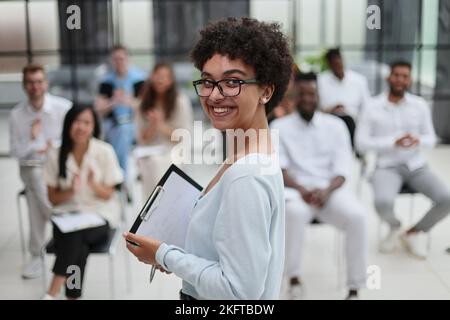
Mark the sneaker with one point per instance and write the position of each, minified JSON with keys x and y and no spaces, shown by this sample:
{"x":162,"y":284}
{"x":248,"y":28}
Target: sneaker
{"x":295,"y":292}
{"x":352,"y":295}
{"x":48,"y":297}
{"x":390,"y":243}
{"x":33,"y":269}
{"x":415,"y":244}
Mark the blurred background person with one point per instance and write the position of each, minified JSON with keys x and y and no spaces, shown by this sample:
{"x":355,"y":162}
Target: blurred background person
{"x":116,"y":102}
{"x":342,"y":92}
{"x":81,"y":176}
{"x":35,"y":126}
{"x":315,"y":155}
{"x":287,"y":105}
{"x":397,"y":125}
{"x":163,"y":109}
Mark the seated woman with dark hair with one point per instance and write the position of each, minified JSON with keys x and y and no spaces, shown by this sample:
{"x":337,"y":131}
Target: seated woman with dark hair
{"x":81,"y":176}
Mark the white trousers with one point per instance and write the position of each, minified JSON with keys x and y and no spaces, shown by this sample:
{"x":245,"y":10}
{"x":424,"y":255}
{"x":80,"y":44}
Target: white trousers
{"x":343,"y":211}
{"x":39,"y":208}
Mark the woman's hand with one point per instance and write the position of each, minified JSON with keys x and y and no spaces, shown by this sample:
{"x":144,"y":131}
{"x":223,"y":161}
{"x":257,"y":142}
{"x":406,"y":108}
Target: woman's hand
{"x":146,"y":250}
{"x":76,"y":184}
{"x":155,"y":116}
{"x":119,"y":97}
{"x":91,"y":178}
{"x":162,"y":269}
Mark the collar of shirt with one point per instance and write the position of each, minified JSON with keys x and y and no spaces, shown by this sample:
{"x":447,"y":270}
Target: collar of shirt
{"x":46,"y":107}
{"x":337,"y":80}
{"x":404,"y":102}
{"x":309,"y":124}
{"x":72,"y":165}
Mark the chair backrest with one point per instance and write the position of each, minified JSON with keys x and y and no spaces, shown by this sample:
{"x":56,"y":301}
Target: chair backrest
{"x":121,"y":193}
{"x":315,"y":221}
{"x":406,"y":189}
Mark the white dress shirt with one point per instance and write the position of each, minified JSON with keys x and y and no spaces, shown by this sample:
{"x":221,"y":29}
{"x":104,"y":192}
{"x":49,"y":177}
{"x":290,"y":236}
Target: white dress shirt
{"x":313,"y":153}
{"x":384,"y":122}
{"x":99,"y":158}
{"x":351,"y":92}
{"x":52,"y":114}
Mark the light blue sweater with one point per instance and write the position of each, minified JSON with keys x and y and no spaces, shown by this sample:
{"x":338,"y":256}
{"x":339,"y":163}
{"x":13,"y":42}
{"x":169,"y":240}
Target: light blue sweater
{"x":235,"y":240}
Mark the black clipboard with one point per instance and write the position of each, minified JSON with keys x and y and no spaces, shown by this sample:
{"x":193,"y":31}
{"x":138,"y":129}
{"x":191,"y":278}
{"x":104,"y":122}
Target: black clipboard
{"x":157,"y":191}
{"x":106,"y":89}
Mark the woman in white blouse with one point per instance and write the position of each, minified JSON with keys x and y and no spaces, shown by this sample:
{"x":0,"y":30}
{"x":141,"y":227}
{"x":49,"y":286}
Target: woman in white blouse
{"x":81,"y":177}
{"x":162,"y":110}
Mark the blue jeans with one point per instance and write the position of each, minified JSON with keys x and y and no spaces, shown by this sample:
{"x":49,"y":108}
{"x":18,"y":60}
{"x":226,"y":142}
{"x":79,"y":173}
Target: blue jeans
{"x":121,"y":137}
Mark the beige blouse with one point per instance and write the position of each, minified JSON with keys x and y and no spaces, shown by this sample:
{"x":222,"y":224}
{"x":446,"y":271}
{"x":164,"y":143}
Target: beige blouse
{"x":182,"y":117}
{"x":101,"y":159}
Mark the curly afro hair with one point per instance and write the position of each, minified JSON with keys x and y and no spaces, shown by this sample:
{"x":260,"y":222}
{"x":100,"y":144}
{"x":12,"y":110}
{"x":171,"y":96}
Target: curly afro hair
{"x":258,"y":44}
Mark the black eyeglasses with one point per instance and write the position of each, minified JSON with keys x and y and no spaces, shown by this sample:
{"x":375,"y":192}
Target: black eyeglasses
{"x":227,"y":87}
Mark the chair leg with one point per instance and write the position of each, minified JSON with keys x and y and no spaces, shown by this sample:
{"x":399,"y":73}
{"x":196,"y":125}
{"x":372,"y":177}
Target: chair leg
{"x":428,"y":241}
{"x":124,"y":225}
{"x":339,"y":258}
{"x":362,"y":173}
{"x":129,"y":282}
{"x":44,"y":269}
{"x":21,"y":231}
{"x":379,"y":233}
{"x":112,"y":277}
{"x":411,"y":210}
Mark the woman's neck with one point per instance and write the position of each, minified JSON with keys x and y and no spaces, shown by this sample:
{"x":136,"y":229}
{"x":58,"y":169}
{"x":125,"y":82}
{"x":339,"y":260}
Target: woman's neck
{"x":79,"y":149}
{"x":255,"y":139}
{"x":159,"y":99}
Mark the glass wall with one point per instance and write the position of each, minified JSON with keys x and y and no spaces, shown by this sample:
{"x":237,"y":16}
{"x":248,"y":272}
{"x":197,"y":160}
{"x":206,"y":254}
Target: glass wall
{"x":30,"y":31}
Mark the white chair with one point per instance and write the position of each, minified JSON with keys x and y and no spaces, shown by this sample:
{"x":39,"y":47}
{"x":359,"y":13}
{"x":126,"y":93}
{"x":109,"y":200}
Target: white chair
{"x":20,"y":195}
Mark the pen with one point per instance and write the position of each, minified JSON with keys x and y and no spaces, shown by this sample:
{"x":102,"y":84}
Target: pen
{"x":152,"y":273}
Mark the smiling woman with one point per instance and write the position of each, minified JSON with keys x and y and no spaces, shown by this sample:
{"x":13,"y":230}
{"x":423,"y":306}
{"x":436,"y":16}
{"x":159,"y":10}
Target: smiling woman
{"x":81,"y":177}
{"x":235,"y":240}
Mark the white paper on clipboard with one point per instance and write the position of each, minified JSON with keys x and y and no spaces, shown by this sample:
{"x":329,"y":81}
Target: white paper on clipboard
{"x":70,"y":222}
{"x":167,"y":218}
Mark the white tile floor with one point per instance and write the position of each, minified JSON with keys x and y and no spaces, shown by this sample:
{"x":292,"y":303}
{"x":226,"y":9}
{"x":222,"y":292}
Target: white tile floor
{"x":401,"y":276}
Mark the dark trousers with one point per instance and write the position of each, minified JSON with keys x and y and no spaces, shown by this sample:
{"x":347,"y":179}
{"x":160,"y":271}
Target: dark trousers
{"x":184,"y":296}
{"x":72,"y":249}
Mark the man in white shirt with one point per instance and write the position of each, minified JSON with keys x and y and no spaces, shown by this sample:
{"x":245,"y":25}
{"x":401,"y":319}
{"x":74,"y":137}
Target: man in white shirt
{"x":342,"y":92}
{"x":35,"y":126}
{"x":314,"y":150}
{"x":397,"y":125}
